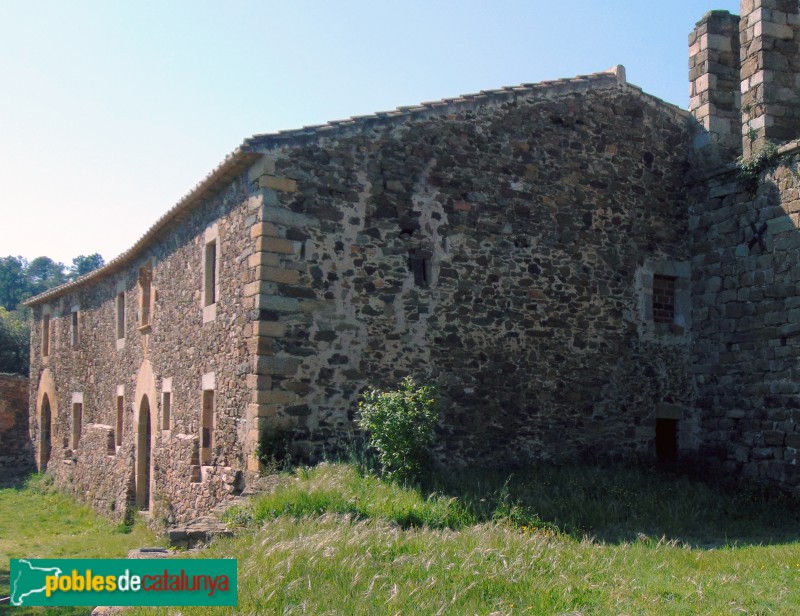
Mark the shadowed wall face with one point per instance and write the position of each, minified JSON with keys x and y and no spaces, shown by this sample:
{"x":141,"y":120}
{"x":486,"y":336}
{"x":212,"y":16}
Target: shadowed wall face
{"x":746,"y":322}
{"x":16,"y":452}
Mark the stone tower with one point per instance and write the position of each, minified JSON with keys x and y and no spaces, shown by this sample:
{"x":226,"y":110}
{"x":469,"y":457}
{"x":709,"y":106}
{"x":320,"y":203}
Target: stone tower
{"x":770,"y":71}
{"x":714,"y":84}
{"x":745,"y":72}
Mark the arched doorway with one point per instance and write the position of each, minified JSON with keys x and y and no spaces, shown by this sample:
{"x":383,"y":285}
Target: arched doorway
{"x":45,"y":421}
{"x":46,"y":417}
{"x":143,"y":451}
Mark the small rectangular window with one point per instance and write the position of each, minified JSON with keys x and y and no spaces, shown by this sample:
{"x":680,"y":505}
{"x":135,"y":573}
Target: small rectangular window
{"x":210,"y":274}
{"x":77,"y":418}
{"x":195,"y":472}
{"x":420,"y":266}
{"x":121,"y":315}
{"x":120,"y":418}
{"x":74,"y":332}
{"x":207,"y":427}
{"x":663,"y":299}
{"x":166,"y":409}
{"x":145,"y":295}
{"x":45,"y":335}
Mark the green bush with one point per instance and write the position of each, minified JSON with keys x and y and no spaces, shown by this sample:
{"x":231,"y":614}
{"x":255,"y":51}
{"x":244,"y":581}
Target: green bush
{"x":749,"y":169}
{"x":400,"y":426}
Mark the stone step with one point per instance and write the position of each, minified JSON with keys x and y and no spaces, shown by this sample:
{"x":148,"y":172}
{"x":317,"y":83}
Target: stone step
{"x":197,"y":532}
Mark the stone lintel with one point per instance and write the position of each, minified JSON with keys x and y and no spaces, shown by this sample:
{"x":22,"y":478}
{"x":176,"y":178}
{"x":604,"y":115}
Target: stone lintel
{"x":670,"y":411}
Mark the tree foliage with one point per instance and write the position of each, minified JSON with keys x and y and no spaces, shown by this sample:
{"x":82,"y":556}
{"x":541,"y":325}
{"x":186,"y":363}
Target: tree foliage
{"x":21,"y":280}
{"x":83,"y":264}
{"x":43,"y":273}
{"x":14,"y":346}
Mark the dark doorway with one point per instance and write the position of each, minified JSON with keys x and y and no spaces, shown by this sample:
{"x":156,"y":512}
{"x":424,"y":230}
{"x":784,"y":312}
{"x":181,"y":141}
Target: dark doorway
{"x":666,"y":440}
{"x":143,"y":437}
{"x":44,"y":435}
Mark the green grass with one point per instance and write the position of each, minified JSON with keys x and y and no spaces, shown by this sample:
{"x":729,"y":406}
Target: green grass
{"x":583,"y":540}
{"x":335,"y":564}
{"x":615,"y":504}
{"x":37,"y":521}
{"x":333,"y":540}
{"x":343,"y":489}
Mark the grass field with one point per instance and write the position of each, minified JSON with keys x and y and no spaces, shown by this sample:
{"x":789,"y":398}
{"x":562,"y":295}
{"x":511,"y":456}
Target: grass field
{"x":581,"y":540}
{"x":36,"y":521}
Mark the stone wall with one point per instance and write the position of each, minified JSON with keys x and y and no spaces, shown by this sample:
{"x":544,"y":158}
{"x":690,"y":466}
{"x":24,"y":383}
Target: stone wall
{"x":770,"y":69}
{"x":497,"y":249}
{"x":99,"y":473}
{"x":180,"y":348}
{"x":16,"y":453}
{"x":574,"y":264}
{"x":746,"y":310}
{"x":714,"y":85}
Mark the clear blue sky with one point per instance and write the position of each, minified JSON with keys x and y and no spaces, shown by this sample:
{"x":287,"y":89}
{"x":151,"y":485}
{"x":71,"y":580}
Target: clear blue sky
{"x":111,"y":111}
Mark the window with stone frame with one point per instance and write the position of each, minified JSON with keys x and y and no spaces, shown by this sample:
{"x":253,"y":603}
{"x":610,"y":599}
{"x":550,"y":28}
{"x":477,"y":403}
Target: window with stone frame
{"x":45,"y":335}
{"x":210,"y":282}
{"x":166,"y":403}
{"x":75,"y":336}
{"x":663,"y":298}
{"x":144,"y":283}
{"x":419,"y":264}
{"x":77,"y":420}
{"x":121,"y":315}
{"x":207,"y":427}
{"x":166,"y":409}
{"x":120,"y":418}
{"x":210,"y":274}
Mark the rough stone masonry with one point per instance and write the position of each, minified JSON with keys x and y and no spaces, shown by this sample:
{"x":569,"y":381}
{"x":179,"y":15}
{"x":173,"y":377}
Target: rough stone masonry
{"x":576,"y":264}
{"x":16,"y":454}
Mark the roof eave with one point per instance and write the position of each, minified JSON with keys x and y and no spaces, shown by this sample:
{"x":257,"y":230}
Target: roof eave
{"x":233,"y":164}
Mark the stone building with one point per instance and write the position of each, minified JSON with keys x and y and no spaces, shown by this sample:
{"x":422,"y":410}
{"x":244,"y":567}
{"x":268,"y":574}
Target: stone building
{"x":576,"y":264}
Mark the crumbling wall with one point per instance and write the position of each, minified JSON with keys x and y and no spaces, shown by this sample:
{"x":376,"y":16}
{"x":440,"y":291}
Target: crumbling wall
{"x":16,"y":451}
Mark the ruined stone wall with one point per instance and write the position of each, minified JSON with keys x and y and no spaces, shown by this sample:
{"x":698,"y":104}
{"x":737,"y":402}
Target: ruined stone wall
{"x":180,"y":352}
{"x":746,"y":313}
{"x":505,"y":252}
{"x":16,"y":453}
